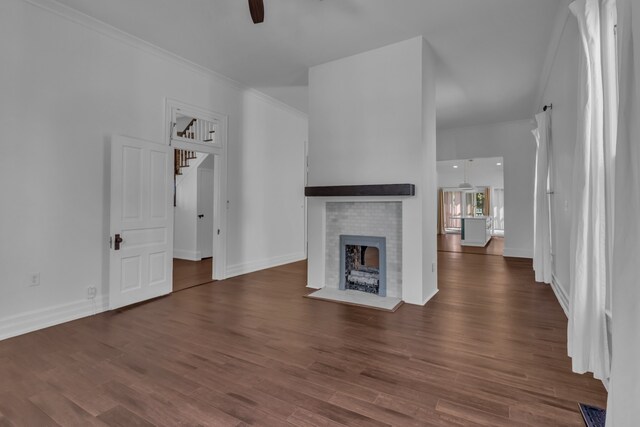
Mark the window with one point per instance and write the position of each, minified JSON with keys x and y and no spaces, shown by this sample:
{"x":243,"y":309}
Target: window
{"x":194,"y":129}
{"x":475,"y":202}
{"x":452,"y":211}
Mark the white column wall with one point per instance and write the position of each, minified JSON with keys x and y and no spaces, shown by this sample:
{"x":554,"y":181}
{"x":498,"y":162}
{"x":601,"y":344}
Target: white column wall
{"x":372,"y":121}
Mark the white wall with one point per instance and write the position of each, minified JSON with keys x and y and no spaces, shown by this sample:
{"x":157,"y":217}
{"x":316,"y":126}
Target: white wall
{"x":624,"y":390}
{"x":205,"y":227}
{"x":372,"y":121}
{"x":267,"y":180}
{"x":426,"y":163}
{"x":515,"y":143}
{"x":184,"y":219}
{"x":562,"y":91}
{"x":66,"y":88}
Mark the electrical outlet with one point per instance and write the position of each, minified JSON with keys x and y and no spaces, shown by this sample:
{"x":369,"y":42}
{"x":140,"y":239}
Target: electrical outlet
{"x":34,"y":279}
{"x":91,"y":292}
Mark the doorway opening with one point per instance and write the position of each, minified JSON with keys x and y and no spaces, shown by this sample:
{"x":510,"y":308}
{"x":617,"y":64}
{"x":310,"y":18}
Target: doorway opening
{"x":193,"y":232}
{"x":199,"y":140}
{"x":471,"y":205}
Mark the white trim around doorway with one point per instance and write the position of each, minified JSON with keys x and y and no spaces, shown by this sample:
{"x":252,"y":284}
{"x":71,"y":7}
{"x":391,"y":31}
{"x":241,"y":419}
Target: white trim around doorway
{"x":219,"y":151}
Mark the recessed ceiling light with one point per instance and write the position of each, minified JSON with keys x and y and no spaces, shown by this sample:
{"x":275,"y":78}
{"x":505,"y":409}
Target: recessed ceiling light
{"x":455,"y":166}
{"x":498,"y":164}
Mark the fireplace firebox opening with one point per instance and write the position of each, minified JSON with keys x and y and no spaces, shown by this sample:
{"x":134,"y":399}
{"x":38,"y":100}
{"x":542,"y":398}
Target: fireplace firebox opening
{"x":363,"y":264}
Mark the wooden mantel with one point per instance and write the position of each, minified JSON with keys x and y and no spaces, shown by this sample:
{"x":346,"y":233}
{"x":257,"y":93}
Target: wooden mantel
{"x":361,"y":190}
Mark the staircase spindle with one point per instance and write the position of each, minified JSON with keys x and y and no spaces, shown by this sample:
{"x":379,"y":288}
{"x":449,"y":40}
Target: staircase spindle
{"x":176,"y":160}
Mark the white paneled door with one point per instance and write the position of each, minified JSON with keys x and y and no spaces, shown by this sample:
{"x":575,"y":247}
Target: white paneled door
{"x":141,"y":253}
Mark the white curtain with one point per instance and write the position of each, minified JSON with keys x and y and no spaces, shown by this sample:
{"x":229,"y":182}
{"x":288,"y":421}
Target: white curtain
{"x":592,"y":188}
{"x":541,"y":214}
{"x":624,"y":388}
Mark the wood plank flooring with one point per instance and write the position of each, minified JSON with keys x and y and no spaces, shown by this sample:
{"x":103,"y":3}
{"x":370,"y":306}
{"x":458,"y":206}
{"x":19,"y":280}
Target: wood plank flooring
{"x":451,"y":243}
{"x":187,"y":274}
{"x":489,"y":349}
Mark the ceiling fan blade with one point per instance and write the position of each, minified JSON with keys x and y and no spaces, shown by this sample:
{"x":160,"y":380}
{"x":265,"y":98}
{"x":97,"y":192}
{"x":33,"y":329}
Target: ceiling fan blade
{"x":256,"y":7}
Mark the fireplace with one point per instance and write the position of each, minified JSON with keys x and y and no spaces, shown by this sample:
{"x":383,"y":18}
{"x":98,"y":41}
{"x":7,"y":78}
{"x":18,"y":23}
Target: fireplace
{"x":364,"y":220}
{"x":363,"y":264}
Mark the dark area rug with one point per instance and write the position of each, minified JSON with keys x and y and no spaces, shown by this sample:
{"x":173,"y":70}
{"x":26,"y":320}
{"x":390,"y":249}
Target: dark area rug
{"x":593,"y":416}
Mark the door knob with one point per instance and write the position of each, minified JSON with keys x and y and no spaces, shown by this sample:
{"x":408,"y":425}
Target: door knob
{"x":117,"y":241}
{"x":200,"y":216}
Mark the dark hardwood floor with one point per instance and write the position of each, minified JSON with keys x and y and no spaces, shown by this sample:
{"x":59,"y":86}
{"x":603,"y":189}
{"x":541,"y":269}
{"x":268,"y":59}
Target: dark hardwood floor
{"x":187,"y":274}
{"x":451,"y":243}
{"x":489,"y":349}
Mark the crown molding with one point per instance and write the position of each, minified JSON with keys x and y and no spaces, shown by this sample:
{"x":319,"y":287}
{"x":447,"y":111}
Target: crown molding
{"x":274,"y":102}
{"x":112,"y":32}
{"x":505,"y":123}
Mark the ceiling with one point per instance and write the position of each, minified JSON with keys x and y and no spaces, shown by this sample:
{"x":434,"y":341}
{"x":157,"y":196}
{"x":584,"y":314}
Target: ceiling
{"x":484,"y":171}
{"x":490,"y":53}
{"x":479,"y":163}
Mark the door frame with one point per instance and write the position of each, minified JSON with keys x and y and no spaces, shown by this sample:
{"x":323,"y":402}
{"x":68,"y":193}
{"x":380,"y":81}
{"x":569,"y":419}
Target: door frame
{"x":200,"y":172}
{"x":219,"y":151}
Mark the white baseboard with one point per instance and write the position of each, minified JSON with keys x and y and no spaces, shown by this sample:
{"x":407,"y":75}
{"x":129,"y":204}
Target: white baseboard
{"x":563,"y":299}
{"x":561,"y":295}
{"x":251,"y":266}
{"x":188,"y":255}
{"x":517,"y":253}
{"x":424,"y":302}
{"x":433,"y":294}
{"x":38,"y":319}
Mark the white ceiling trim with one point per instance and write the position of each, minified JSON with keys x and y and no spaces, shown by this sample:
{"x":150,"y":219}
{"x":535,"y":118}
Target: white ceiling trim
{"x":558,"y":29}
{"x":110,"y":31}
